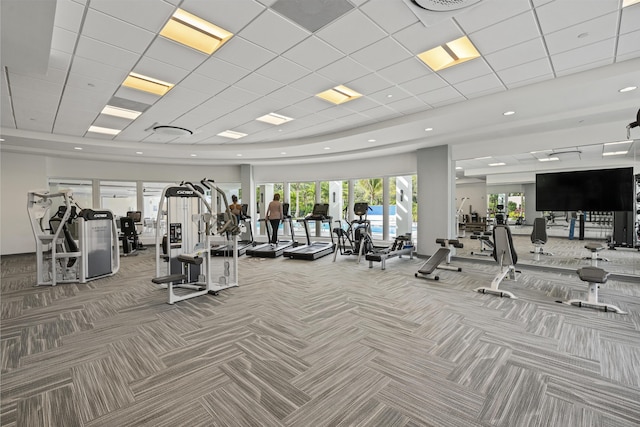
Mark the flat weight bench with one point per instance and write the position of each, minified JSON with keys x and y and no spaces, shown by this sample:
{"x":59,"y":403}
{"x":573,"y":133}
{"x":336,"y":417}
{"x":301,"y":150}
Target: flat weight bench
{"x":594,"y":276}
{"x":595,"y":257}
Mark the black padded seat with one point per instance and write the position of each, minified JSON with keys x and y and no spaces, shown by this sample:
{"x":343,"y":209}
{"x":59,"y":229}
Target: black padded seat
{"x":595,"y":248}
{"x":593,"y":274}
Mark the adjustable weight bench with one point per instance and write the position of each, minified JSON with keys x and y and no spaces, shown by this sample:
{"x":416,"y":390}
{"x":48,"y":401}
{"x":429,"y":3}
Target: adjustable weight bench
{"x":432,"y":263}
{"x":505,"y":254}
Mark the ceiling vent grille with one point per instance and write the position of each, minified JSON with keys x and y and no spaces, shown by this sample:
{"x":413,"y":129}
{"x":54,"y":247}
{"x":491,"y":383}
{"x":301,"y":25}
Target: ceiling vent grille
{"x":312,"y":15}
{"x":171,"y":130}
{"x":443,"y":5}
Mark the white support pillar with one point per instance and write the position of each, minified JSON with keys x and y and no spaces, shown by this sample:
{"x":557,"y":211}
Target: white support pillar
{"x":436,"y":197}
{"x":352,"y":200}
{"x":318,"y":200}
{"x":335,"y":199}
{"x":247,"y":184}
{"x":266,"y":196}
{"x":385,"y":208}
{"x":404,"y":202}
{"x":286,"y":198}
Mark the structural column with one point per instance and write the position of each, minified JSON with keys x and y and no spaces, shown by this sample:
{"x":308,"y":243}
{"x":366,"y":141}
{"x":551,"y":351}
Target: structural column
{"x":404,"y":214}
{"x":385,"y":208}
{"x":436,"y":197}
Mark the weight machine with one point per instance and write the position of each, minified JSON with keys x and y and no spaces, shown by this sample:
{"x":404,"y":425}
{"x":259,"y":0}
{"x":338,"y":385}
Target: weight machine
{"x":63,"y":258}
{"x":184,"y":254}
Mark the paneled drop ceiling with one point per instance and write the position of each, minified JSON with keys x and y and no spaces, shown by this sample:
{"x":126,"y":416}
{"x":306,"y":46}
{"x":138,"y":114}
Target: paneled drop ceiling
{"x":557,"y":64}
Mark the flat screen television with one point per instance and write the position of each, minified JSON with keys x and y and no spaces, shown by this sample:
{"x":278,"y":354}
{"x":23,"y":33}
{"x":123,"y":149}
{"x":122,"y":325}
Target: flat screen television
{"x":592,"y":190}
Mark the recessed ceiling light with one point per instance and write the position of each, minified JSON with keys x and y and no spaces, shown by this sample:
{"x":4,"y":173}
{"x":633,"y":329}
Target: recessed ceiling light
{"x":106,"y":131}
{"x":497,"y":164}
{"x":626,"y":3}
{"x":327,"y":148}
{"x":390,"y":96}
{"x":274,"y":119}
{"x":548,"y":159}
{"x":147,"y":84}
{"x":449,"y":54}
{"x":139,"y":152}
{"x":194,"y":155}
{"x":458,"y":168}
{"x":195,"y":32}
{"x":508,"y":113}
{"x":541,"y":151}
{"x":372,"y":140}
{"x":615,"y":153}
{"x":77,"y":148}
{"x":232,"y":134}
{"x":1,"y":139}
{"x":339,"y":95}
{"x":283,"y":152}
{"x":482,"y":158}
{"x":121,"y":112}
{"x":239,"y":155}
{"x":619,"y":142}
{"x":628,"y":89}
{"x":428,"y":129}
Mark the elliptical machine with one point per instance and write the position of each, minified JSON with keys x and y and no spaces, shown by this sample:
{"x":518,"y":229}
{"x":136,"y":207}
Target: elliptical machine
{"x":356,"y":238}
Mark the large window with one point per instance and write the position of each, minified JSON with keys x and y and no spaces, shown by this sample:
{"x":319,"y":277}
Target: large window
{"x":82,"y":190}
{"x":151,"y":193}
{"x":370,"y":191}
{"x":119,"y":197}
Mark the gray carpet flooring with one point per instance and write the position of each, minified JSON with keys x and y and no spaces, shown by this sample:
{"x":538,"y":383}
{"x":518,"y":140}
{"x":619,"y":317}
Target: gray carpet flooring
{"x":319,"y":343}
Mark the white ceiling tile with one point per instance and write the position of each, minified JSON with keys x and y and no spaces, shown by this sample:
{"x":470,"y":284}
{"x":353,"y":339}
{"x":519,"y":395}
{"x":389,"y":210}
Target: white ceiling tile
{"x":520,"y":28}
{"x":68,"y":15}
{"x":243,"y":53}
{"x":364,"y":104}
{"x":313,"y":53}
{"x":590,"y":32}
{"x":518,"y":54}
{"x":52,"y":76}
{"x":340,"y":33}
{"x":222,"y":70}
{"x":23,"y":100}
{"x":480,"y":86}
{"x":404,"y":71}
{"x":234,"y":95}
{"x":111,"y":122}
{"x":314,"y":84}
{"x":113,"y":31}
{"x":98,"y":71}
{"x":370,"y":83}
{"x":603,"y":50}
{"x":390,"y":16}
{"x":344,"y":70}
{"x":417,"y":38}
{"x":630,"y":20}
{"x":160,"y":70}
{"x":173,"y":53}
{"x":465,"y":71}
{"x":148,"y":14}
{"x":490,"y":12}
{"x":63,"y":40}
{"x":424,"y":84}
{"x":534,"y":69}
{"x":409,"y":105}
{"x":105,"y":53}
{"x":313,"y":104}
{"x":91,"y":83}
{"x":85,"y":99}
{"x":258,"y":84}
{"x":390,"y":94}
{"x":200,"y":83}
{"x":283,"y":70}
{"x":628,"y":46}
{"x":526,"y":82}
{"x":289,"y":95}
{"x":442,"y":96}
{"x":381,"y":54}
{"x":272,"y":31}
{"x":59,"y":60}
{"x":232,"y":15}
{"x":293,"y":111}
{"x":583,"y":67}
{"x":561,"y":14}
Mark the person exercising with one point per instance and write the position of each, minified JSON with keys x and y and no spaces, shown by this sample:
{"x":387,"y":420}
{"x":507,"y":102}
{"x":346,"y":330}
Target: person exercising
{"x":235,"y":207}
{"x":274,"y":215}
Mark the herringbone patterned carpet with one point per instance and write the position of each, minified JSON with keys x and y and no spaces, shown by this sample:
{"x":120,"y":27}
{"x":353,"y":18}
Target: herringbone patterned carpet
{"x":317,"y":343}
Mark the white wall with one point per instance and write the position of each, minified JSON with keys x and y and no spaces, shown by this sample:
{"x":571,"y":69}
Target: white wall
{"x":19,"y":174}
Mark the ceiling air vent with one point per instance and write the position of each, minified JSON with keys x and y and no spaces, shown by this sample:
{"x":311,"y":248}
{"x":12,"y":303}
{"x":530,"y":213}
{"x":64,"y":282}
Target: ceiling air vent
{"x":443,"y":5}
{"x":171,"y":130}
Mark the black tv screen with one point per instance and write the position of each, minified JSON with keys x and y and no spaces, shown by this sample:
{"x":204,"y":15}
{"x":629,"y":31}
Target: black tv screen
{"x":591,"y":190}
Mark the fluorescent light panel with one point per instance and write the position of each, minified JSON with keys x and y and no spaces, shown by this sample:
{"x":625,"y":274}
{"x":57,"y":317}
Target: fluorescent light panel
{"x":615,"y":153}
{"x":548,"y":159}
{"x":449,"y":54}
{"x":147,"y":84}
{"x":106,"y":131}
{"x":497,"y":164}
{"x":121,"y":112}
{"x":274,"y":119}
{"x":339,"y":95}
{"x":618,"y":142}
{"x":232,"y":134}
{"x":626,"y":3}
{"x":194,"y":32}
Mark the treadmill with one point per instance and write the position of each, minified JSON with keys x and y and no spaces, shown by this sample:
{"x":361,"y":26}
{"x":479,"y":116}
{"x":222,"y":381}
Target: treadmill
{"x":269,"y":250}
{"x":313,"y":250}
{"x":243,"y":245}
